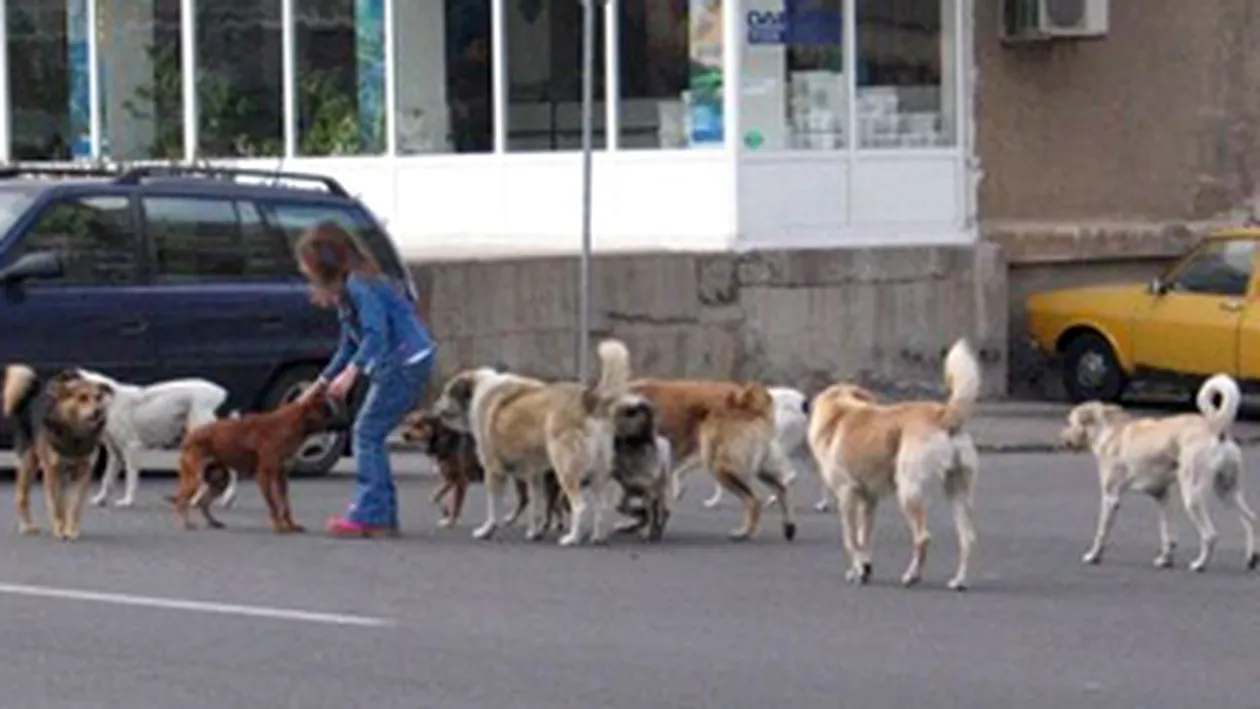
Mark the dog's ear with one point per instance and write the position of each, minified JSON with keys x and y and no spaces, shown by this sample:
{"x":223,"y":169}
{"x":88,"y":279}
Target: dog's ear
{"x":106,"y":391}
{"x":461,"y":389}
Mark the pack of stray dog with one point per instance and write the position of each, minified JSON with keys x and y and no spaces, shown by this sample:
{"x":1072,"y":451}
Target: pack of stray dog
{"x":577,"y":453}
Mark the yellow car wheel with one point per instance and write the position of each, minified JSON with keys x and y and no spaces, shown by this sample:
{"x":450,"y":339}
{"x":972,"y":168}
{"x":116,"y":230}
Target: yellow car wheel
{"x":1091,"y":370}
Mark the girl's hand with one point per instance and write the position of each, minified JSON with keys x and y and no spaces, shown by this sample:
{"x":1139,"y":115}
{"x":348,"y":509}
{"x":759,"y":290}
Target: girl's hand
{"x":340,"y":386}
{"x":317,"y":388}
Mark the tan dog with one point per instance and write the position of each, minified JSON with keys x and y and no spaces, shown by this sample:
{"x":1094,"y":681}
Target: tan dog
{"x":524,"y":426}
{"x":58,"y":431}
{"x":728,"y":428}
{"x":1193,"y":452}
{"x":866,"y":450}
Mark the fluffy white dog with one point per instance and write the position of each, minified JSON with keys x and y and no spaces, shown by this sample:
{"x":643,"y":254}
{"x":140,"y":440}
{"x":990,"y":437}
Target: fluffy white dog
{"x":152,"y":417}
{"x":791,"y":423}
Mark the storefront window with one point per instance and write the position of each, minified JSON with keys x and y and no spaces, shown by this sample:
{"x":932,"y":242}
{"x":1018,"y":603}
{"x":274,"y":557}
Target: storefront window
{"x":544,"y":75}
{"x":794,"y":91}
{"x":141,"y":80}
{"x":445,"y":95}
{"x":240,"y":93}
{"x":671,"y":77}
{"x":41,"y":67}
{"x":340,"y":77}
{"x":905,"y":72}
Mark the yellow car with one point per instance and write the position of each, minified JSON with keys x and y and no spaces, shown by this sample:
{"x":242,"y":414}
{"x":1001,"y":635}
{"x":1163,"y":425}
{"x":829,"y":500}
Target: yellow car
{"x":1200,"y":317}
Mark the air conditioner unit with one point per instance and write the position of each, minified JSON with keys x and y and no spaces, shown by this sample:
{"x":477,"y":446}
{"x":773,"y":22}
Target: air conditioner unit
{"x":1040,"y":20}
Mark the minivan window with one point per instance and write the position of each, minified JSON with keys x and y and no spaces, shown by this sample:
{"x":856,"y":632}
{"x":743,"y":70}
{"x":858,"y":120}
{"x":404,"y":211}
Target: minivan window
{"x":295,"y":217}
{"x":94,"y":236}
{"x":207,"y":239}
{"x":13,"y":204}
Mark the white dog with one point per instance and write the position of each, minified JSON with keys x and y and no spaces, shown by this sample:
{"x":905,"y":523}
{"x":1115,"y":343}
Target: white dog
{"x":791,"y":423}
{"x":152,"y":417}
{"x":1192,"y":452}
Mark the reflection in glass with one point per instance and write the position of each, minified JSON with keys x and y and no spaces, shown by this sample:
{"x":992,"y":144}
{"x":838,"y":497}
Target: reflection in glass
{"x":544,"y":75}
{"x":671,"y":77}
{"x":38,"y":56}
{"x":341,"y":77}
{"x":240,"y":95}
{"x":905,"y":96}
{"x":141,"y":79}
{"x":444,"y":87}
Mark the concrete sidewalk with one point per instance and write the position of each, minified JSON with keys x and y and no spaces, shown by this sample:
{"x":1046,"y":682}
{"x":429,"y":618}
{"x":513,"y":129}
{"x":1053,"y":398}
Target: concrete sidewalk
{"x":1034,"y":426}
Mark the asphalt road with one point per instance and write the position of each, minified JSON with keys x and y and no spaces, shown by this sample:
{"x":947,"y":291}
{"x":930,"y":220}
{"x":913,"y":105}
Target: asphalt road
{"x":435,"y":619}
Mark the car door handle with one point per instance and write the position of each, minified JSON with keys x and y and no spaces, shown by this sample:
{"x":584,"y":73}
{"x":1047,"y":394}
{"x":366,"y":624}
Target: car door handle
{"x":1232,"y":305}
{"x":134,"y":327}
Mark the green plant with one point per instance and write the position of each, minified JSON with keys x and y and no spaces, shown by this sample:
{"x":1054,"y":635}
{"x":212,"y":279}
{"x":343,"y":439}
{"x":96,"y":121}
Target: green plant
{"x":161,"y":102}
{"x":330,"y":121}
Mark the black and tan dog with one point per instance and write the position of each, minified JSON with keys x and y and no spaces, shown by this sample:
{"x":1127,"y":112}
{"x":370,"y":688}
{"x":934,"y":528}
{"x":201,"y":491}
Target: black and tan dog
{"x":641,"y":464}
{"x":58,"y":427}
{"x":455,"y":453}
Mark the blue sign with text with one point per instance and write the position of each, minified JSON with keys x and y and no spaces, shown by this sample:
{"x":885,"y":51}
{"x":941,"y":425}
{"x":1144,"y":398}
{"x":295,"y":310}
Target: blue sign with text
{"x":799,"y":22}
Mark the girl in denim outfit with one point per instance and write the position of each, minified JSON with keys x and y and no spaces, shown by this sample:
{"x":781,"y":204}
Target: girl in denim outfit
{"x":382,"y":339}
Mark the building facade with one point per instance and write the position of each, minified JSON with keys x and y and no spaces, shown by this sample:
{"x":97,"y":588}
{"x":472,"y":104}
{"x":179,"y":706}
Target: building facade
{"x":718,"y":124}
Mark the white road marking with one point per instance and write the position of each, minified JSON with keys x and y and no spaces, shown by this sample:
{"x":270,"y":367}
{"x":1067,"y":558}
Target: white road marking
{"x":195,"y":606}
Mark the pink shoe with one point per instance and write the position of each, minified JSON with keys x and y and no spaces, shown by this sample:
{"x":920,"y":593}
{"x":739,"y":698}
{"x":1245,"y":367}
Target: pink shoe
{"x":342,"y":527}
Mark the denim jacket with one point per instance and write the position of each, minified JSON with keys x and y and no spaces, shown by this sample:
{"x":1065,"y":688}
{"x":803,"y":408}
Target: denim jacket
{"x":379,"y":327}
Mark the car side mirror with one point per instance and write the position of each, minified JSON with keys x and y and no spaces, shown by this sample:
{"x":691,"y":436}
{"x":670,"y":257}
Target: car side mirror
{"x":36,"y":265}
{"x":1156,"y":286}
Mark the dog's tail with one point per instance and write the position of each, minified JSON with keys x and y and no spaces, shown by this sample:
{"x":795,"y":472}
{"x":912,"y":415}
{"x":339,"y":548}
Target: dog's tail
{"x":962,"y":378}
{"x":20,"y":385}
{"x":614,"y":375}
{"x":614,"y":368}
{"x":1220,"y":416}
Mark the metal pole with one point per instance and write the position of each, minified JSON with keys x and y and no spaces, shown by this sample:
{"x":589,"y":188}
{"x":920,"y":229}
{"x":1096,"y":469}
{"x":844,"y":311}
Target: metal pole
{"x":588,"y":111}
{"x":188,"y":68}
{"x":5,"y":140}
{"x":288,"y":76}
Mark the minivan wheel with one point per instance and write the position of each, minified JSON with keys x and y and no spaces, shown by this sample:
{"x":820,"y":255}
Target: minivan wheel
{"x":320,"y":452}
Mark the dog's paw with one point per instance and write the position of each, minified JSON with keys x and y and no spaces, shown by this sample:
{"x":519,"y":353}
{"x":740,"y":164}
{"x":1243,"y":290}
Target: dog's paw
{"x":789,"y":531}
{"x":1163,"y":561}
{"x":865,"y":571}
{"x":1253,"y":561}
{"x":822,"y":505}
{"x":1092,"y":556}
{"x":910,"y":578}
{"x":1198,"y":565}
{"x":738,"y":535}
{"x":570,"y":539}
{"x":533,"y":535}
{"x":485,"y":531}
{"x":28,"y":530}
{"x":446,"y":522}
{"x":125,"y":502}
{"x":772,"y":500}
{"x":711,"y":502}
{"x":70,"y":535}
{"x":957,"y":584}
{"x":99,"y":500}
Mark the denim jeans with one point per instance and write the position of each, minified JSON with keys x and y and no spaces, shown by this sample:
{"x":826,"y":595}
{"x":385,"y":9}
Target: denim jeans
{"x":393,"y":391}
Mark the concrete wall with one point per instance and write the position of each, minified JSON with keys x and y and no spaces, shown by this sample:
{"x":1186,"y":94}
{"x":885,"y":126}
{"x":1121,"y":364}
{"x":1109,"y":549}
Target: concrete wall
{"x":1158,"y":121}
{"x":882,"y":317}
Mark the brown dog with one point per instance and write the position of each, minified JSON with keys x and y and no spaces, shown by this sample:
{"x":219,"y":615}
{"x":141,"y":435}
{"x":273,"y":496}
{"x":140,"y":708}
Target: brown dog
{"x":255,"y":444}
{"x":57,"y":433}
{"x":728,"y":428}
{"x":455,"y":453}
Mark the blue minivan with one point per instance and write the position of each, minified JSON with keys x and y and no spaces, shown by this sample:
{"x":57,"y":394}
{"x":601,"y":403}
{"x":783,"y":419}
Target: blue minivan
{"x":154,"y":273}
